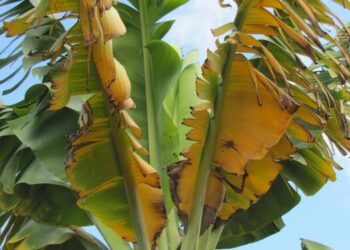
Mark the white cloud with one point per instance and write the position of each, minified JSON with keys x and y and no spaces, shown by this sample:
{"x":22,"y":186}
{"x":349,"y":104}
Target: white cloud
{"x":194,"y":21}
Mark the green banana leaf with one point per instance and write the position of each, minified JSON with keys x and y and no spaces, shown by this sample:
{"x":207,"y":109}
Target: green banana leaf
{"x":34,"y":193}
{"x":312,"y":245}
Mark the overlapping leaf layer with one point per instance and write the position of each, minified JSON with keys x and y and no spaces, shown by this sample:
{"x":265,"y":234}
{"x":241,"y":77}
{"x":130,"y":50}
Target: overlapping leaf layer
{"x":260,"y":118}
{"x":34,"y":188}
{"x":259,"y":130}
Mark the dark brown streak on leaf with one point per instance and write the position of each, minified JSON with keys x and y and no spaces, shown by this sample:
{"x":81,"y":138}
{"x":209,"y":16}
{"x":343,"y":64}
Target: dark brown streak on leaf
{"x":219,"y":222}
{"x":160,"y":207}
{"x":230,"y":144}
{"x":83,"y":130}
{"x":234,"y":188}
{"x":174,"y":173}
{"x":89,"y":114}
{"x":208,"y":218}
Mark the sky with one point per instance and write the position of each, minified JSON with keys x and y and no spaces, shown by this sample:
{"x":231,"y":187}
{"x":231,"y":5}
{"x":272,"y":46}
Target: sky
{"x":324,"y":217}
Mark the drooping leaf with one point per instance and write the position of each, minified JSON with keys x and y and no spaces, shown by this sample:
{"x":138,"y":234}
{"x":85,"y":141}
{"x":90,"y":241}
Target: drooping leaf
{"x":280,"y":199}
{"x":270,"y":30}
{"x":258,"y":234}
{"x":312,"y":245}
{"x":32,"y":189}
{"x":107,"y":137}
{"x":37,"y":236}
{"x":232,"y":149}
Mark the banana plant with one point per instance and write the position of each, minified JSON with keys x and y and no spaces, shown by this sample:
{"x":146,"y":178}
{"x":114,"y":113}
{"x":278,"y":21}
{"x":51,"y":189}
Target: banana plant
{"x":153,"y":150}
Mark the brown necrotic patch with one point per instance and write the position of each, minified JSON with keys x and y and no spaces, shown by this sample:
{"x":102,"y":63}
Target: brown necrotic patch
{"x":230,"y":144}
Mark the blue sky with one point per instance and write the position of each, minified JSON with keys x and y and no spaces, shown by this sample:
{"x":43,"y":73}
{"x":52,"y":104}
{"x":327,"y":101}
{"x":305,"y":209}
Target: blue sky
{"x":324,"y":217}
